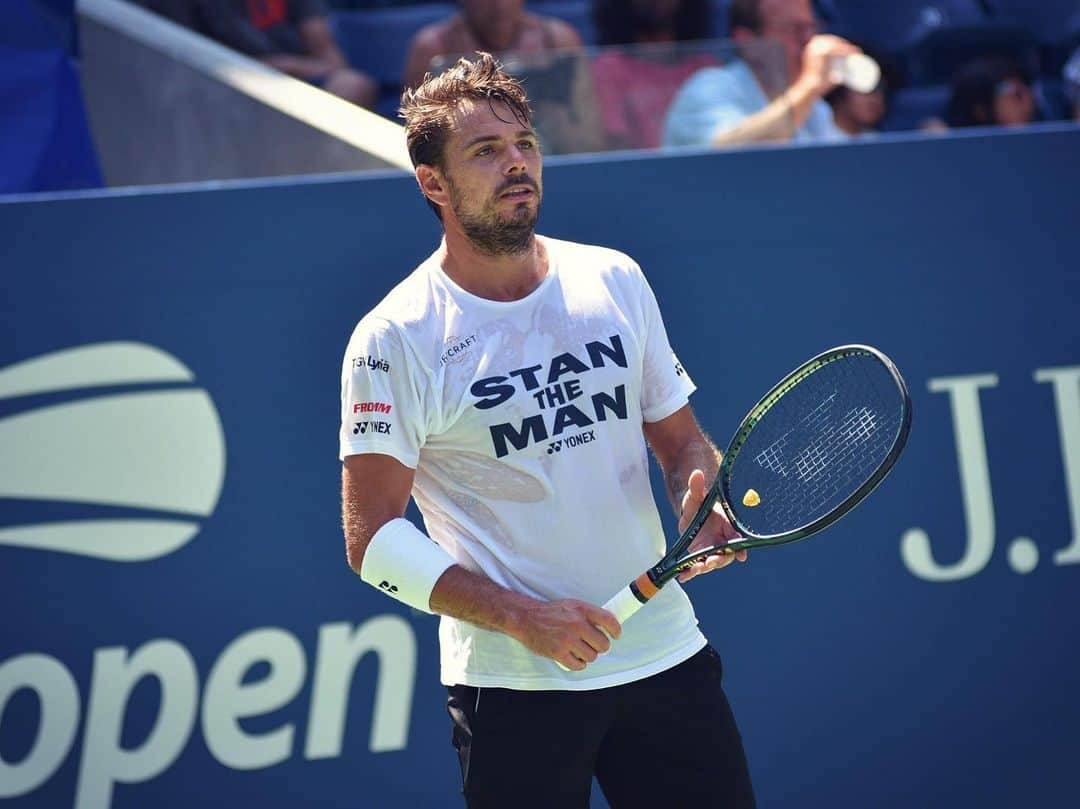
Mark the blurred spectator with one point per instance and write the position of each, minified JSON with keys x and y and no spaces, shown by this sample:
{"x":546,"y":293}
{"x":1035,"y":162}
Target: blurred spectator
{"x":634,"y":87}
{"x":545,"y":53}
{"x":993,"y":91}
{"x":495,"y":26}
{"x":1071,"y":77}
{"x":747,"y":102}
{"x":856,"y":113}
{"x":291,"y":35}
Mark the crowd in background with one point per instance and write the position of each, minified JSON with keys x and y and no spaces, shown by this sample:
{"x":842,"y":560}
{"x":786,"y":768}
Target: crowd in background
{"x":658,"y":77}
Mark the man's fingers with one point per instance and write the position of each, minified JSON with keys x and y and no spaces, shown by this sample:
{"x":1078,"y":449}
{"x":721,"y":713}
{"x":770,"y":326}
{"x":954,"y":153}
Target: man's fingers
{"x":696,"y":484}
{"x":584,"y":651}
{"x":713,"y":562}
{"x":585,"y":633}
{"x":570,"y":661}
{"x":597,"y":639}
{"x":600,"y":617}
{"x":692,"y":498}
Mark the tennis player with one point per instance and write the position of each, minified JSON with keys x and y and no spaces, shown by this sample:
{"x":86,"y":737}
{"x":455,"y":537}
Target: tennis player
{"x":510,"y":384}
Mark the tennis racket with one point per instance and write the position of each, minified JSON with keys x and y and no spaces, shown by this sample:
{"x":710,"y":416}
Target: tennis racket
{"x":804,"y":456}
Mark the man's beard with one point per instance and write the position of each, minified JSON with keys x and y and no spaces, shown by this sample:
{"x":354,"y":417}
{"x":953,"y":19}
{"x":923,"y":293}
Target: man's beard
{"x":495,"y":235}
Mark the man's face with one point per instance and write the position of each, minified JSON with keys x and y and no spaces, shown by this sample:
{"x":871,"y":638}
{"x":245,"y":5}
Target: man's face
{"x":492,"y":169}
{"x":1014,"y":103}
{"x":867,"y":109}
{"x":791,"y":23}
{"x":495,"y":22}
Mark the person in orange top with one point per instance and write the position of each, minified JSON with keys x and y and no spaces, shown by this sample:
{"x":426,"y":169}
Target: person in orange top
{"x":293,"y":36}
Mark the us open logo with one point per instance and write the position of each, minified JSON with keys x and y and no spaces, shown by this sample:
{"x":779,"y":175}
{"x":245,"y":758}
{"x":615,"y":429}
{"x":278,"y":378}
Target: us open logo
{"x":123,"y":430}
{"x":156,"y":450}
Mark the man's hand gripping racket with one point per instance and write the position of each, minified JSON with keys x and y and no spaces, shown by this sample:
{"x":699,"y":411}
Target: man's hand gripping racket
{"x":814,"y":446}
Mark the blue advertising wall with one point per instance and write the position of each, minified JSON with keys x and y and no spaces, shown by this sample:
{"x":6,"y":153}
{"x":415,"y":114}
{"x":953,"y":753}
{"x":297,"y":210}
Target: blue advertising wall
{"x":180,"y":627}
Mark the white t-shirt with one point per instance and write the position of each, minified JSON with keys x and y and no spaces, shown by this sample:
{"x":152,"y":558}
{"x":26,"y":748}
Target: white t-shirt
{"x":523,"y":421}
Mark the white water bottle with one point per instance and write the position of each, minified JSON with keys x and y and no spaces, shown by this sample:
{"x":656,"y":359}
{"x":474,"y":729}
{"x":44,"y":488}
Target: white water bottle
{"x":856,"y":70}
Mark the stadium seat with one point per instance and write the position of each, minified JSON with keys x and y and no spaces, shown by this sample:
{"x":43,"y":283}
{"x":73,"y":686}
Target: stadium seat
{"x":937,"y":57}
{"x":720,"y":19}
{"x":370,"y":4}
{"x":1056,"y":23}
{"x":376,"y":41}
{"x":897,"y":24}
{"x":578,"y":13}
{"x":931,"y":39}
{"x":1049,"y":20}
{"x":1053,"y":103}
{"x":910,"y":107}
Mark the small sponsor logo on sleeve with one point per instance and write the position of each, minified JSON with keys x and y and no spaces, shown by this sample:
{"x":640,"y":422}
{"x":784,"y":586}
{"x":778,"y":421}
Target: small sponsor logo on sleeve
{"x":366,"y":427}
{"x":371,"y":363}
{"x":371,"y":407}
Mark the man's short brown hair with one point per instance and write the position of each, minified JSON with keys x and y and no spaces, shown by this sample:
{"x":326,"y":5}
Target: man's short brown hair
{"x":429,"y":109}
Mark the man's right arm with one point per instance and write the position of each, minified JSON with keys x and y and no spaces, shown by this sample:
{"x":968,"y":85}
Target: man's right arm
{"x":786,"y":114}
{"x":375,"y":490}
{"x":779,"y":121}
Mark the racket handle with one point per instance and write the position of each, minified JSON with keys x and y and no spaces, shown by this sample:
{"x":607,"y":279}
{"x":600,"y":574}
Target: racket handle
{"x":623,"y":604}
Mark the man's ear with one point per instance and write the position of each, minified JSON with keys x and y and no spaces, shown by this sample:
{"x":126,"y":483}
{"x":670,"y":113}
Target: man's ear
{"x":433,"y":184}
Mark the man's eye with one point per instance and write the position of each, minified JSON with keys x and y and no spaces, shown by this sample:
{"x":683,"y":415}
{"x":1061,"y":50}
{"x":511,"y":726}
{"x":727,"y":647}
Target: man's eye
{"x":483,"y":151}
{"x":525,"y":144}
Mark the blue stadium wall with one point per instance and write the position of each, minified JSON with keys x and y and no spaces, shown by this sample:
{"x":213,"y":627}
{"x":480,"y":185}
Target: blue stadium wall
{"x":180,"y":627}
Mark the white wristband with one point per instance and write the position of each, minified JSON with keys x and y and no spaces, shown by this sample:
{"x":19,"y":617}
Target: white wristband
{"x":404,"y":563}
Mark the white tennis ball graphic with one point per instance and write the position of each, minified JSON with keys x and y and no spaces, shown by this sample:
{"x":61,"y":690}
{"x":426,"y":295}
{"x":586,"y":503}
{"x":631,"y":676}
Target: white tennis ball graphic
{"x":157,"y":449}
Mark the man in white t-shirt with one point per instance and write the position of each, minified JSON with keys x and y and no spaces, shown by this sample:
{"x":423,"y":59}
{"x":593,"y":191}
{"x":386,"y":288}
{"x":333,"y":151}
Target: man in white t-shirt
{"x":509,"y":385}
{"x":774,"y":93}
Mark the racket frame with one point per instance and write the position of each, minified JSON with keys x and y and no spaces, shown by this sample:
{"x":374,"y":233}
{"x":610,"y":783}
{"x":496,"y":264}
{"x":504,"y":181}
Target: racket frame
{"x":675,"y":562}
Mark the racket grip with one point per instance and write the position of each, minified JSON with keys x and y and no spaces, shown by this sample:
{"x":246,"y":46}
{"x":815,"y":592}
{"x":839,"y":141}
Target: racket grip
{"x":623,"y":604}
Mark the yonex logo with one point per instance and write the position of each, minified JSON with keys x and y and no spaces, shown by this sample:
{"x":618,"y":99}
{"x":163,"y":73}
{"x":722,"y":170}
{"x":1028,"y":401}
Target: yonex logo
{"x":158,"y":450}
{"x":362,"y":427}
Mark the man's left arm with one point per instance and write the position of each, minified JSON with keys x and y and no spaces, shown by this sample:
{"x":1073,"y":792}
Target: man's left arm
{"x":319,"y":43}
{"x":689,"y":461}
{"x":321,"y":54}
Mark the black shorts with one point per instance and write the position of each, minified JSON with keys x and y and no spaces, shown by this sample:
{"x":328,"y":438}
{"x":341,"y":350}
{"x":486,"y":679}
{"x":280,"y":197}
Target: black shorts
{"x":669,"y":740}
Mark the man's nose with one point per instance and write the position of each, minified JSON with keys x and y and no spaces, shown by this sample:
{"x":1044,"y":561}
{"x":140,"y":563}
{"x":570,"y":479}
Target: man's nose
{"x":515,"y":160}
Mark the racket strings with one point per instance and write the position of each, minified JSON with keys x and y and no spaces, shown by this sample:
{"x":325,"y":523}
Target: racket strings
{"x":817,"y":445}
{"x":839,"y":463}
